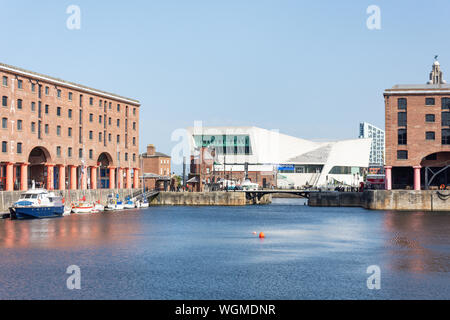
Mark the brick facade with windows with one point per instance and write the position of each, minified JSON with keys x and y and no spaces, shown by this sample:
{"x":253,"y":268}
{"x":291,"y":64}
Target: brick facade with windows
{"x":51,"y":140}
{"x":418,"y":134}
{"x":155,"y":167}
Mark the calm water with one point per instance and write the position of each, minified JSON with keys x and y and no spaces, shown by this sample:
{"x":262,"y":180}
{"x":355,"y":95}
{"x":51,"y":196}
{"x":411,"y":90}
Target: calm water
{"x":211,"y":253}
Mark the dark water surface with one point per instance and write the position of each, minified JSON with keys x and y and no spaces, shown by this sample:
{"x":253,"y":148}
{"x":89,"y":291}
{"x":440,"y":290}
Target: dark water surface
{"x":211,"y":253}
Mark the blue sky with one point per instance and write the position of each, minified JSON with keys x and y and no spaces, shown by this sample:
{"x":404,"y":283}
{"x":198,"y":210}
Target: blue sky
{"x":311,"y":69}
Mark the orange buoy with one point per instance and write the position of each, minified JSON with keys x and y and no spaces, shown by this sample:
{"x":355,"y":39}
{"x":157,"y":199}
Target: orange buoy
{"x":262,"y":235}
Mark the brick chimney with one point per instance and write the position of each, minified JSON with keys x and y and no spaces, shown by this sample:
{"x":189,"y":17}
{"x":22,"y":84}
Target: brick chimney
{"x":151,"y":151}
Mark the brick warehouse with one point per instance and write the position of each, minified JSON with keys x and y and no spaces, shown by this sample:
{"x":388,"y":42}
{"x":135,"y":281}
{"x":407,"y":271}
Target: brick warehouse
{"x":418,"y":134}
{"x":61,"y":135}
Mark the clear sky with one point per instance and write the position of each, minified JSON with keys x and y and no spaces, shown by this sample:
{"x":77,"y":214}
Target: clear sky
{"x":311,"y":69}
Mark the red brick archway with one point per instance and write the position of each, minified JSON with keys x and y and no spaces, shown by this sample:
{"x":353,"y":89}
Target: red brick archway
{"x":38,"y":171}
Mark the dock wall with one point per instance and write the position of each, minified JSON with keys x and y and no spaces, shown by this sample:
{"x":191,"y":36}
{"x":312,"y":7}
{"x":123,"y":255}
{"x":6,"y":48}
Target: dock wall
{"x":204,"y":199}
{"x":8,"y":198}
{"x":396,"y":200}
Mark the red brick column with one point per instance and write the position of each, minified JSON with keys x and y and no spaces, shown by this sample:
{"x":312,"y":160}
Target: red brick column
{"x":73,"y":177}
{"x":9,"y":177}
{"x":112,"y":180}
{"x":417,"y":184}
{"x":84,"y":179}
{"x":50,"y":181}
{"x":388,"y":171}
{"x":136,"y":178}
{"x":93,"y":178}
{"x":24,"y":177}
{"x":128,"y":178}
{"x":120,"y":179}
{"x":62,"y":177}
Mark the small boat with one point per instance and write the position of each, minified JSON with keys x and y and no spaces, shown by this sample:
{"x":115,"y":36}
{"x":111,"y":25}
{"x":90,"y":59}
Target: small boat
{"x":114,"y":204}
{"x":83,"y":208}
{"x":67,"y":211}
{"x":129,"y":204}
{"x":37,"y":204}
{"x":98,"y":208}
{"x":142,"y":203}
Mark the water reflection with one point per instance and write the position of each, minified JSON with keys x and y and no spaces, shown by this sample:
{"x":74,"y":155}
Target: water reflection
{"x":418,"y":242}
{"x":73,"y":231}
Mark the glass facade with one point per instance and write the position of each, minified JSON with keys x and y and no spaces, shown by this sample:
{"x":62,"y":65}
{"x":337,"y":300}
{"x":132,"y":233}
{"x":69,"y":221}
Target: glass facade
{"x":225,"y":144}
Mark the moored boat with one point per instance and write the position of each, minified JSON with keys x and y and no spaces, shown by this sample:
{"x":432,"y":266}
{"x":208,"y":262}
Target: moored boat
{"x":37,"y":204}
{"x":114,"y":204}
{"x":83,"y":208}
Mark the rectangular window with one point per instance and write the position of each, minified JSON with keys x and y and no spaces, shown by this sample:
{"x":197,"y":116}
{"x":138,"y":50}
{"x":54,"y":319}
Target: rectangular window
{"x":80,"y":153}
{"x":33,"y":106}
{"x":58,"y":131}
{"x":4,"y":146}
{"x":70,"y":113}
{"x":70,"y":96}
{"x":33,"y":87}
{"x":99,"y":119}
{"x":118,"y":108}
{"x":19,"y":125}
{"x":20,"y":84}
{"x":58,"y":93}
{"x":118,"y":138}
{"x":134,"y":125}
{"x":126,"y":156}
{"x":118,"y":123}
{"x":19,"y":104}
{"x":402,"y":104}
{"x":69,"y":132}
{"x":430,"y":101}
{"x":430,"y":135}
{"x":58,"y":111}
{"x":402,"y":119}
{"x":134,"y":111}
{"x":58,"y":152}
{"x":33,"y":127}
{"x":46,"y":109}
{"x":4,"y":123}
{"x":430,"y":118}
{"x":69,"y":152}
{"x":47,"y":91}
{"x":91,"y":101}
{"x":91,"y":154}
{"x":100,"y":137}
{"x":402,"y":155}
{"x":109,"y":137}
{"x":91,"y":117}
{"x":445,"y":103}
{"x":446,"y":118}
{"x":109,"y":121}
{"x":5,"y":101}
{"x":91,"y":135}
{"x":446,"y":136}
{"x":402,"y":137}
{"x":46,"y":129}
{"x":19,"y":147}
{"x":5,"y":81}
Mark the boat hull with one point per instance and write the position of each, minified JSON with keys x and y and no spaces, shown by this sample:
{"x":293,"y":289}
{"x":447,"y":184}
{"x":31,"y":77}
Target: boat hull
{"x":36,"y":213}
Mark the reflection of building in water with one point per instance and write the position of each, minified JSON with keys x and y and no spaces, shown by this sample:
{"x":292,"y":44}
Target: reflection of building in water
{"x":67,"y":232}
{"x":413,"y":242}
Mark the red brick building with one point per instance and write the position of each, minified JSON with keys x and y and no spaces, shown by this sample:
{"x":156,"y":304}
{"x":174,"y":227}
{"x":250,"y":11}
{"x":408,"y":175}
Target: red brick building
{"x":155,"y":167}
{"x":62,"y":135}
{"x":418,"y":134}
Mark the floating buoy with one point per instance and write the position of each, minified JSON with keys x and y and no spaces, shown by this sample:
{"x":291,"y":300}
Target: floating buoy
{"x":262,"y":235}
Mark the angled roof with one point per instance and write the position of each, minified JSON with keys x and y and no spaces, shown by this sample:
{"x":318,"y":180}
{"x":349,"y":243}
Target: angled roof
{"x":61,"y":82}
{"x":317,"y":156}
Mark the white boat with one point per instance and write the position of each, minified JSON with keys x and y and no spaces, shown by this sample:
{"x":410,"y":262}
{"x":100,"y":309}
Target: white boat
{"x":83,"y":208}
{"x":142,"y":203}
{"x":67,"y":211}
{"x":114,"y":204}
{"x":129,"y":204}
{"x":98,"y":208}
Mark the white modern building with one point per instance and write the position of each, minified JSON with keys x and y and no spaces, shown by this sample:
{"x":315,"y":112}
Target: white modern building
{"x":377,"y":151}
{"x":295,"y":162}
